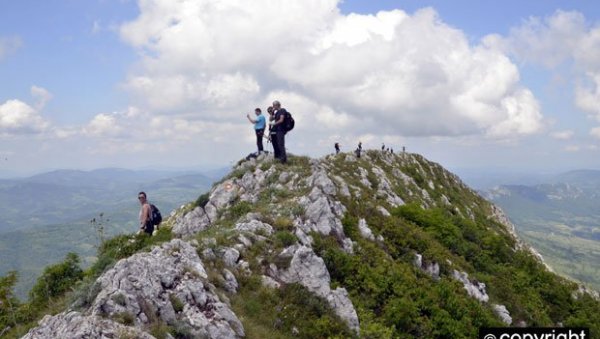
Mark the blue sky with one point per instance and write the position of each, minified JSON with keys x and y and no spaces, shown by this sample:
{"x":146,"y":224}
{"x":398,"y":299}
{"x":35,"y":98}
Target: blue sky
{"x":166,"y":84}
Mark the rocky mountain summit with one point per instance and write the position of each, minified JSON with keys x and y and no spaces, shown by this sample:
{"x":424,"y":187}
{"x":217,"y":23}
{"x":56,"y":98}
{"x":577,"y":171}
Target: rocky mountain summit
{"x":382,"y":246}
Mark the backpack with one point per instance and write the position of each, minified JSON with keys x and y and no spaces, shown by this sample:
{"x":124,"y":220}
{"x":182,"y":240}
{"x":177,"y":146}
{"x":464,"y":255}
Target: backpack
{"x":288,"y":122}
{"x":155,"y":215}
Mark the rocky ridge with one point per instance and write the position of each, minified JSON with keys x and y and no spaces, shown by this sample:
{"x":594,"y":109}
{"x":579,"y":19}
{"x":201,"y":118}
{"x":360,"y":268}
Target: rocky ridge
{"x":187,"y":282}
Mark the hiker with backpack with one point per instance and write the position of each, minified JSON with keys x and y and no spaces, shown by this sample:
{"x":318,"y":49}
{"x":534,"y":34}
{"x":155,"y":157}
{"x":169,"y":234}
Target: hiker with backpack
{"x":337,"y":147}
{"x":149,"y":215}
{"x":281,"y":123}
{"x":259,"y":128}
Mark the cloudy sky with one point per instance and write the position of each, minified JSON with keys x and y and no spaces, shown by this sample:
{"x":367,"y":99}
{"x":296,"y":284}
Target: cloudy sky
{"x":167,"y":83}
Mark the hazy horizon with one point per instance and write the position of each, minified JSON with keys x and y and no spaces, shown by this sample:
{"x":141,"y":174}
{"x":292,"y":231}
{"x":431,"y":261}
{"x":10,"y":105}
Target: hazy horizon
{"x":478,"y":177}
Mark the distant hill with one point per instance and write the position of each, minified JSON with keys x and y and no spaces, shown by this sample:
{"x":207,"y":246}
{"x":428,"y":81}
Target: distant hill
{"x":48,"y":215}
{"x":588,"y":180}
{"x":560,"y":218}
{"x":488,"y":178}
{"x":63,"y":196}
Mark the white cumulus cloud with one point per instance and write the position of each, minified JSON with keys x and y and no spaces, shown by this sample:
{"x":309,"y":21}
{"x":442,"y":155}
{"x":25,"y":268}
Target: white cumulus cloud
{"x":389,"y":73}
{"x":18,"y":117}
{"x":556,"y":39}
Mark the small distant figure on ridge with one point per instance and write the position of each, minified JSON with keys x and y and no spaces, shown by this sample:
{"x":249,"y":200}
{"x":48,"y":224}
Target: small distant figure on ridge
{"x":337,"y":147}
{"x":403,"y":149}
{"x":259,"y":128}
{"x":382,"y":147}
{"x":392,"y":150}
{"x":360,"y":145}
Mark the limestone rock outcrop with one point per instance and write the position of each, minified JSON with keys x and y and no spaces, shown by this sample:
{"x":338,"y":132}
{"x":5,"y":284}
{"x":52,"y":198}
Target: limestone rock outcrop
{"x":310,"y":271}
{"x":168,"y":284}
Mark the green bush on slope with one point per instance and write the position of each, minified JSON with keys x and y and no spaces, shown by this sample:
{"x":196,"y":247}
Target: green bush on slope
{"x":404,"y":302}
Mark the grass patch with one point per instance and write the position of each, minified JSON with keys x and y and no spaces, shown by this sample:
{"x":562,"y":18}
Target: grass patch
{"x":124,"y":318}
{"x":176,"y":303}
{"x":123,"y":246}
{"x":273,"y":313}
{"x":284,"y":239}
{"x":283,"y":224}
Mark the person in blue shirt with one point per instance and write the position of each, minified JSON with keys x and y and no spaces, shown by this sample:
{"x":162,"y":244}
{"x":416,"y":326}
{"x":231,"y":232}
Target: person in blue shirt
{"x":259,"y":128}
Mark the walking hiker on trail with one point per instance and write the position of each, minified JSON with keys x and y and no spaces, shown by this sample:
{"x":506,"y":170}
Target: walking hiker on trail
{"x":145,"y":214}
{"x":337,"y":147}
{"x":278,"y":131}
{"x":259,"y":128}
{"x":360,"y":145}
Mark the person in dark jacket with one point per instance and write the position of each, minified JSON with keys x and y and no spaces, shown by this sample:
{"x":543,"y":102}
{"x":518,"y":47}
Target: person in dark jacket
{"x":278,"y":130}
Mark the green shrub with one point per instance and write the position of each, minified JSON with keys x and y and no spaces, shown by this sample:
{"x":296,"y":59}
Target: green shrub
{"x":350,"y":224}
{"x":159,"y":330}
{"x":119,"y":299}
{"x":273,"y":313}
{"x":9,"y":303}
{"x":283,"y":223}
{"x":56,"y":280}
{"x":202,"y":200}
{"x":239,"y":209}
{"x":176,"y":303}
{"x":181,"y":330}
{"x":85,"y":293}
{"x":284,"y":239}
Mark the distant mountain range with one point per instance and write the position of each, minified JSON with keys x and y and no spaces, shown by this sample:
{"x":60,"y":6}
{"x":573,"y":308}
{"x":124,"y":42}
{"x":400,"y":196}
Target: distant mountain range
{"x":66,"y":195}
{"x":560,"y":218}
{"x":45,"y":216}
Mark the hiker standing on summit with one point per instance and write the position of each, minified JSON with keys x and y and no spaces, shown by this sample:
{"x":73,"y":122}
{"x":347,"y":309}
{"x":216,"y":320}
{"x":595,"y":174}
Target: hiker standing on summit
{"x":145,"y":214}
{"x":259,"y":128}
{"x":278,"y":131}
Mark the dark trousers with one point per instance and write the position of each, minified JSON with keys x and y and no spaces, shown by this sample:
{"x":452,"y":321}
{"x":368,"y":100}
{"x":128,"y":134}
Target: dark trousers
{"x":280,"y":146}
{"x":259,"y":139}
{"x":149,"y":228}
{"x":274,"y":142}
